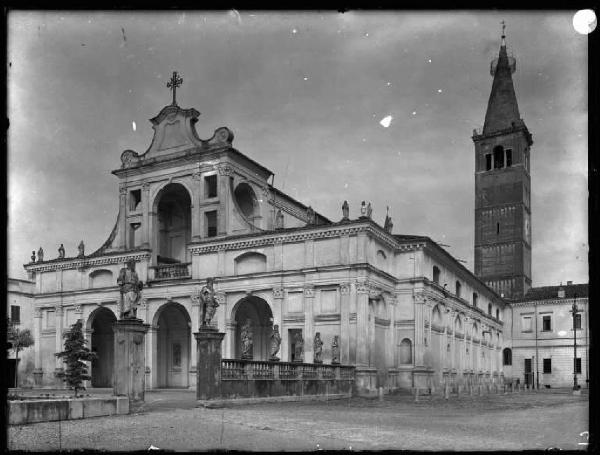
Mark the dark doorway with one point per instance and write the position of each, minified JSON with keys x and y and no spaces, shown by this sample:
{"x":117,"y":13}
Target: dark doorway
{"x":292,"y":336}
{"x":528,"y":373}
{"x":173,"y":343}
{"x":103,"y":345}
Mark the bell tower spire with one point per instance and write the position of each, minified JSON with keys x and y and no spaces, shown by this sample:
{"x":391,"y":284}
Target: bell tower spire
{"x":502,"y":187}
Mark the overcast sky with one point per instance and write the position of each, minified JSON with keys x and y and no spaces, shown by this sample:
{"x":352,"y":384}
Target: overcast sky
{"x":304,"y":94}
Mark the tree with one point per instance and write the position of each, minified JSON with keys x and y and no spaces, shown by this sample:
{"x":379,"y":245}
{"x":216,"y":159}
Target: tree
{"x":19,"y":339}
{"x":74,"y":355}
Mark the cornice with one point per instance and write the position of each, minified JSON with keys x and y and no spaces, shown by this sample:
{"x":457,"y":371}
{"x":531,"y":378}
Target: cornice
{"x":553,"y":301}
{"x":82,"y":263}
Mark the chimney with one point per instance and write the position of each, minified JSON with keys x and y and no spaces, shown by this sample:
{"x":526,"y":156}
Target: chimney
{"x":569,"y":283}
{"x":561,"y":293}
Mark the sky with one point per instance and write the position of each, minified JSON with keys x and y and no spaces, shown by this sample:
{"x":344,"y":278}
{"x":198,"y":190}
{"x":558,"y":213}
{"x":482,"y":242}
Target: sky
{"x":304,"y":94}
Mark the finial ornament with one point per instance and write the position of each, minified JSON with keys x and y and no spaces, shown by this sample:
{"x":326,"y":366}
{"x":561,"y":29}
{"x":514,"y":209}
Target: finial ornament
{"x":173,"y":83}
{"x":503,"y":34}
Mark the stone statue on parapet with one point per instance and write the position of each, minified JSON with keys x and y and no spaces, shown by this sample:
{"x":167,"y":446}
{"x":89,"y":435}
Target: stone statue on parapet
{"x":275,"y":343}
{"x":369,"y":210}
{"x":81,"y":248}
{"x":40,"y":257}
{"x":345,"y":211}
{"x":279,"y":220}
{"x":335,"y":350}
{"x":388,"y":225}
{"x":363,"y":209}
{"x":318,"y":348}
{"x":247,"y":335}
{"x":33,"y":256}
{"x":310,"y":215}
{"x":61,"y":251}
{"x":130,"y":288}
{"x":298,"y":348}
{"x":208,"y":302}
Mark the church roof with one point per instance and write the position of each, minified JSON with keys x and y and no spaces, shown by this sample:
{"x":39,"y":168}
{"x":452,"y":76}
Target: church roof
{"x":502,"y":110}
{"x":551,"y":292}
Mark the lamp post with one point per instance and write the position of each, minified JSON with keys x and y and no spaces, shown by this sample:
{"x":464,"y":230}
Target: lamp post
{"x":574,"y":310}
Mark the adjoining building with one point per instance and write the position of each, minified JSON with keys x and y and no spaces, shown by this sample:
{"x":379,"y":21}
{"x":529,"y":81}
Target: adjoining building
{"x":19,"y":313}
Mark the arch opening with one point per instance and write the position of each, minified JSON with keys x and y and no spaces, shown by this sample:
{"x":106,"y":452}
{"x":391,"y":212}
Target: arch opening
{"x":173,"y":341}
{"x":246,"y":199}
{"x":102,"y":321}
{"x":405,"y":352}
{"x":258,"y":314}
{"x":174,"y":224}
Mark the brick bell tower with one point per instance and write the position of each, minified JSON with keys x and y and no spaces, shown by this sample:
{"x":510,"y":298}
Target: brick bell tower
{"x":503,"y":187}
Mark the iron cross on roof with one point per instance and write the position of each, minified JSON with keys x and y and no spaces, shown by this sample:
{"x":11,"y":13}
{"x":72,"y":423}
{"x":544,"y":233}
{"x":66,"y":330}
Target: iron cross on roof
{"x":173,"y":83}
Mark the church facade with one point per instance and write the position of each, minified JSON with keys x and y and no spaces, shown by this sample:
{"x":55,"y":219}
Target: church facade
{"x":405,"y":312}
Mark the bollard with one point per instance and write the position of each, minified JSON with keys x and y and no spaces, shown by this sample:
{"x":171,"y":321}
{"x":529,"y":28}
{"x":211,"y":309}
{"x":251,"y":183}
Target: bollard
{"x":470,"y":389}
{"x":380,"y":393}
{"x":458,"y":391}
{"x":446,"y":392}
{"x":417,"y":395}
{"x":480,"y":390}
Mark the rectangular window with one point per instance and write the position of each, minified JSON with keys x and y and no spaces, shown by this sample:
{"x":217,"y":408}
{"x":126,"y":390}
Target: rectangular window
{"x":508,"y":157}
{"x":578,"y":365}
{"x":135,"y":197}
{"x":15,"y":314}
{"x":577,"y":321}
{"x":211,"y":223}
{"x":50,"y":319}
{"x":488,"y":162}
{"x":526,"y":324}
{"x":547,"y":365}
{"x":475,"y":299}
{"x":210,"y":186}
{"x":546,"y":323}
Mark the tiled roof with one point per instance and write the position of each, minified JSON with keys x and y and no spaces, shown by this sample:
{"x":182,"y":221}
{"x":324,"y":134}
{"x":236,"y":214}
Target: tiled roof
{"x":551,"y":292}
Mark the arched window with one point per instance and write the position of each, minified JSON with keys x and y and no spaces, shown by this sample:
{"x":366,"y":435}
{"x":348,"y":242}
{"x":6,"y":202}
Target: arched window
{"x":457,"y":288}
{"x":490,"y":309}
{"x":498,"y":157}
{"x":436,"y":274}
{"x":250,"y":263}
{"x":405,"y":352}
{"x":507,"y":357}
{"x":475,"y":296}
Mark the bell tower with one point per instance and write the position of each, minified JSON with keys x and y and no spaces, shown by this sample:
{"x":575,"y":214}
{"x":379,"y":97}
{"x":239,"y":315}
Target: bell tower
{"x":503,"y":187}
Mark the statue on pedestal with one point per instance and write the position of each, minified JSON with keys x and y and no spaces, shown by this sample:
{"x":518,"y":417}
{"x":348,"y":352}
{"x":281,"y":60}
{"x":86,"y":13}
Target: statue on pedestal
{"x":81,"y":248}
{"x":310,"y":215}
{"x":318,"y":348}
{"x":279,"y":220}
{"x":40,"y":255}
{"x":246,"y":336}
{"x":208,"y":302}
{"x":363,"y":209}
{"x":33,"y":256}
{"x":61,"y":251}
{"x":345,"y":210}
{"x":275,"y":343}
{"x":369,"y":210}
{"x":298,"y":348}
{"x":335,"y":350}
{"x":388,"y":225}
{"x":130,"y":287}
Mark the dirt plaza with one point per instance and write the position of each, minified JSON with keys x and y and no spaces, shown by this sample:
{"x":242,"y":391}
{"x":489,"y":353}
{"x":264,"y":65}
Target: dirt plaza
{"x":169,"y":420}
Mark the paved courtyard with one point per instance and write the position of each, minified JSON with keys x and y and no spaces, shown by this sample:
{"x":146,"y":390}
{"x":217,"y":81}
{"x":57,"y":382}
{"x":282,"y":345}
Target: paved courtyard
{"x":170,"y":420}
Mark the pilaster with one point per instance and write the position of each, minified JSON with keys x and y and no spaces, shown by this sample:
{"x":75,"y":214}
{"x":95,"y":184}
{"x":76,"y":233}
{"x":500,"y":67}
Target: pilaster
{"x":309,"y":300}
{"x":37,"y":337}
{"x":145,"y":215}
{"x":123,"y":216}
{"x":196,"y":211}
{"x":362,"y":321}
{"x":344,"y":323}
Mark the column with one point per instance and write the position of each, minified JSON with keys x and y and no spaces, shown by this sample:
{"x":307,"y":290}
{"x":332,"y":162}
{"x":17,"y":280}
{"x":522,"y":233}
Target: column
{"x":59,"y":345}
{"x":123,"y":215}
{"x":362,"y":321}
{"x":37,"y":347}
{"x":145,"y":215}
{"x":419,"y":309}
{"x":344,"y":340}
{"x":225,"y":173}
{"x":309,"y":300}
{"x":309,"y":253}
{"x":151,"y":358}
{"x":195,"y":208}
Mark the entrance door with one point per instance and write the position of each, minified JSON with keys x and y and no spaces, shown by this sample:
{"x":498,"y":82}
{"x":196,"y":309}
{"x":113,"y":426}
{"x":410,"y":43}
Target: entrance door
{"x":528,"y":373}
{"x":173,"y":346}
{"x":103,"y":345}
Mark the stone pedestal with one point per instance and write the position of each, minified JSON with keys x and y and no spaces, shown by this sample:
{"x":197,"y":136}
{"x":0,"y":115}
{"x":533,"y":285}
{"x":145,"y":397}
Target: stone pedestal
{"x":208,"y":363}
{"x":130,"y":359}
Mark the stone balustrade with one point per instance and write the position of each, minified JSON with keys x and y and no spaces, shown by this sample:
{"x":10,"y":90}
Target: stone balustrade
{"x":170,"y":271}
{"x":253,"y":378}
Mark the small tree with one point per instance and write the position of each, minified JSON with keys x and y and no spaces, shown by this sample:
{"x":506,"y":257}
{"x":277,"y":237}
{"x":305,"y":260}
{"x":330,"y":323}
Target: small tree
{"x":19,"y":339}
{"x":74,"y":355}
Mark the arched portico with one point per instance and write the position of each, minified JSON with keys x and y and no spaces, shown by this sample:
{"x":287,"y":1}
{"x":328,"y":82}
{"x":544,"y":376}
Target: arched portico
{"x":259,"y":313}
{"x":172,"y":346}
{"x":100,"y":323}
{"x":172,"y":223}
